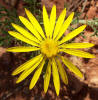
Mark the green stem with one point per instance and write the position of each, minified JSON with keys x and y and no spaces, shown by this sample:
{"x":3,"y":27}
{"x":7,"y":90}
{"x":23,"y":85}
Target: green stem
{"x":88,"y":21}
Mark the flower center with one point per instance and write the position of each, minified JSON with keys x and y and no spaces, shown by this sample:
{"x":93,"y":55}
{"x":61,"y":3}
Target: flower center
{"x":49,"y":48}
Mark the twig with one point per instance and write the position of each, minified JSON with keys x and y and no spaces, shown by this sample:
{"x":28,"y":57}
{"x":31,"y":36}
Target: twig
{"x":84,"y":5}
{"x":75,"y":5}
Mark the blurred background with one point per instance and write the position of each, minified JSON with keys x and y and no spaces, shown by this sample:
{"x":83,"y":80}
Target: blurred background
{"x":86,"y":12}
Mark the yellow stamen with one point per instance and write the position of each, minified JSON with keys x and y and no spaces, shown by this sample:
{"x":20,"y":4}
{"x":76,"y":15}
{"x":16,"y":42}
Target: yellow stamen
{"x":49,"y":48}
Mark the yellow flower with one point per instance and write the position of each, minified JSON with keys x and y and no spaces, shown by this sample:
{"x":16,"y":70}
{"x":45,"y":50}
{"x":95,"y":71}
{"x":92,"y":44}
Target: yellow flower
{"x":50,"y":45}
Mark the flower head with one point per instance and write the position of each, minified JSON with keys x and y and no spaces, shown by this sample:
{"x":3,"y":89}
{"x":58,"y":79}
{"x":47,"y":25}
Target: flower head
{"x":50,"y":45}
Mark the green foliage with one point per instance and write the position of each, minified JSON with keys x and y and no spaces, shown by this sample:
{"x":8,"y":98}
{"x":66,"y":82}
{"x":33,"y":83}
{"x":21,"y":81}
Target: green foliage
{"x":7,"y":17}
{"x":92,"y":23}
{"x":35,"y":7}
{"x":4,"y":26}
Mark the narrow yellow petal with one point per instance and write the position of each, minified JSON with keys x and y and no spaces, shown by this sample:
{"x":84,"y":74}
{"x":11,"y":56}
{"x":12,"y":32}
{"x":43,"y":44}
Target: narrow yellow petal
{"x":62,"y":72}
{"x":35,"y":23}
{"x":46,"y":21}
{"x":77,"y":45}
{"x":73,"y":34}
{"x":65,"y":25}
{"x":78,"y":53}
{"x":31,"y":28}
{"x":56,"y":79}
{"x":27,"y":65}
{"x":37,"y":75}
{"x":24,"y":32}
{"x":52,"y":20}
{"x":22,"y":38}
{"x":22,"y":49}
{"x":47,"y":77}
{"x":28,"y":71}
{"x":59,"y":23}
{"x":71,"y":67}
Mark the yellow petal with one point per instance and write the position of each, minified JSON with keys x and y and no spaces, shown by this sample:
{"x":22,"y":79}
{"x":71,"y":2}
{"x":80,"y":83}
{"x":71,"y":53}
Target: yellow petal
{"x":78,"y":53}
{"x":65,"y":25}
{"x":31,"y":28}
{"x":22,"y":38}
{"x":35,"y":23}
{"x":24,"y":32}
{"x":56,"y":79}
{"x":52,"y":20}
{"x":28,"y":71}
{"x":76,"y":45}
{"x":59,"y":23}
{"x":71,"y":67}
{"x":46,"y":21}
{"x":47,"y":77}
{"x":22,"y":49}
{"x":62,"y":72}
{"x":73,"y":34}
{"x":27,"y":65}
{"x":37,"y":75}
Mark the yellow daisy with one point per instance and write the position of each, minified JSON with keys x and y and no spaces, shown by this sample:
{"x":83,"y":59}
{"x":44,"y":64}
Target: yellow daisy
{"x":50,"y":45}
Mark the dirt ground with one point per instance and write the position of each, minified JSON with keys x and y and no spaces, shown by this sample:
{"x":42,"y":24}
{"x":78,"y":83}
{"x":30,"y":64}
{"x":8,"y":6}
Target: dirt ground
{"x":77,"y":89}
